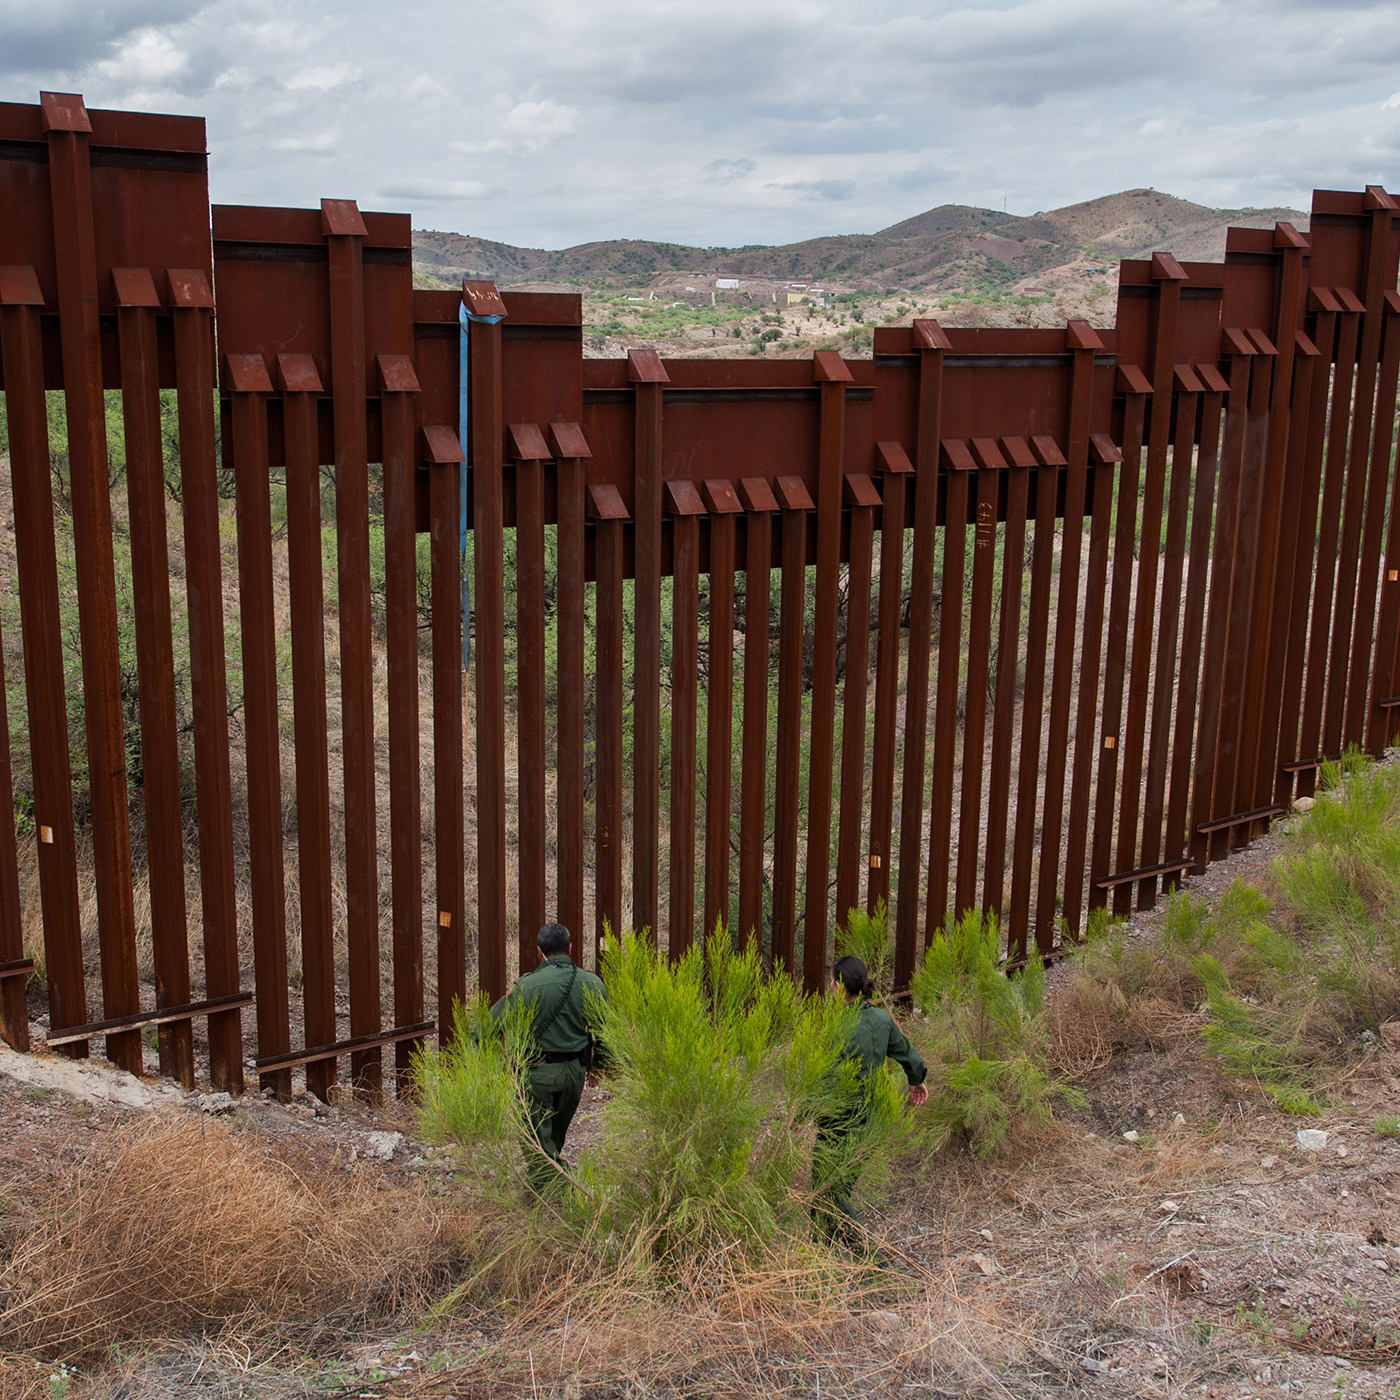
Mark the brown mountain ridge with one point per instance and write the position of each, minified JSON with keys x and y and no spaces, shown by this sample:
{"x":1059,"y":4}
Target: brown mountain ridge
{"x":951,"y":248}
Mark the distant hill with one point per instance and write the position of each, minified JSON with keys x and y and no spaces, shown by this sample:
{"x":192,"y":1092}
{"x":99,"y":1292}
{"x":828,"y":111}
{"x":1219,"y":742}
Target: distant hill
{"x":948,"y":249}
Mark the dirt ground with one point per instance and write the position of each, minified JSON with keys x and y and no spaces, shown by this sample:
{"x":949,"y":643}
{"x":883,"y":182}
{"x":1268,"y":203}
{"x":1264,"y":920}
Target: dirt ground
{"x":1172,"y":1238}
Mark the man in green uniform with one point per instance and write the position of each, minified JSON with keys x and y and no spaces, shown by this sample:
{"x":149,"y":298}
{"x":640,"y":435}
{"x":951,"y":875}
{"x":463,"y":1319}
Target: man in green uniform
{"x":836,"y":1157}
{"x":554,"y":1079}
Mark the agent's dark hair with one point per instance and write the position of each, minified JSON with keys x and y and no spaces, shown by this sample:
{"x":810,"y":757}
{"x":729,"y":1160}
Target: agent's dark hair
{"x":553,"y":940}
{"x":852,"y":975}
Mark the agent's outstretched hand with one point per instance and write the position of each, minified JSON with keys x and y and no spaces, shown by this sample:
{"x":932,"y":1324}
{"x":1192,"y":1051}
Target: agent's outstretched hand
{"x":918,"y":1093}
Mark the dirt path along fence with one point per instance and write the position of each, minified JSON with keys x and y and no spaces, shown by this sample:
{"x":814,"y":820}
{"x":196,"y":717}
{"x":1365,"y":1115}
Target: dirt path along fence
{"x":1035,"y":621}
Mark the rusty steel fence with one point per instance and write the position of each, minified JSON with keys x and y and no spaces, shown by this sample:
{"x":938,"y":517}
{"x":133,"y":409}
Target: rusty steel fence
{"x":1060,"y":615}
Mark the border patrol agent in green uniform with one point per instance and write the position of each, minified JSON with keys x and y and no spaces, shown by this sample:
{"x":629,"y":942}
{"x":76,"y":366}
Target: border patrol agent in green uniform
{"x":563,"y":1045}
{"x":836,"y":1163}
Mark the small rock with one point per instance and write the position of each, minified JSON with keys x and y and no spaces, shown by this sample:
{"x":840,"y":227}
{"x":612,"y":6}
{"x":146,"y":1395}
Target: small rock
{"x":1268,"y":1162}
{"x":1180,"y":1120}
{"x":1302,"y":804}
{"x":1342,"y":1150}
{"x":986,"y":1234}
{"x":1151,"y":1112}
{"x":984,"y":1264}
{"x":1132,"y":1135}
{"x":884,"y":1321}
{"x":1093,"y":1365}
{"x":1168,"y":1208}
{"x":216,"y":1104}
{"x":382,"y":1146}
{"x":1312,"y":1139}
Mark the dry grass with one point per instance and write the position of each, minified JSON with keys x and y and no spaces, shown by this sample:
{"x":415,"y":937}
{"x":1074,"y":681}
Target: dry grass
{"x":797,"y":1324}
{"x":535,"y":1321}
{"x":1085,"y":1265}
{"x":21,"y":1378}
{"x":186,"y":1226}
{"x":1090,"y":1022}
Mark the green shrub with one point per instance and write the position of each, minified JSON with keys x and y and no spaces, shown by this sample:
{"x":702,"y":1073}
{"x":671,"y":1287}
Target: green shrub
{"x":469,"y":1092}
{"x":1286,"y":989}
{"x":869,"y":938}
{"x":716,"y":1073}
{"x":1293,"y":991}
{"x":1165,"y":966}
{"x":1341,"y":877}
{"x":1125,"y":991}
{"x":1109,"y":958}
{"x":987,"y":1036}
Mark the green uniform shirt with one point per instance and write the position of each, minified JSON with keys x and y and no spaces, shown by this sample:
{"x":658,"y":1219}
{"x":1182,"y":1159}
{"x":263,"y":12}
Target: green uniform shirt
{"x":877,"y":1038}
{"x":567,"y":1032}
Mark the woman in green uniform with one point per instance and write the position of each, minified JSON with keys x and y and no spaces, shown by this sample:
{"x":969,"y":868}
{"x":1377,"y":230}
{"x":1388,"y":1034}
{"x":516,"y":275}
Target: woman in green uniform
{"x":836,"y":1158}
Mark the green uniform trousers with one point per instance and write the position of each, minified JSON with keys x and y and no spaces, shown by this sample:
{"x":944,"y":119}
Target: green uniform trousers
{"x":553,"y":1092}
{"x":836,"y":1167}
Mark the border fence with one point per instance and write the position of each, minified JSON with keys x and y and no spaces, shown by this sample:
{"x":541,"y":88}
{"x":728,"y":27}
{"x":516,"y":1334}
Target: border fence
{"x":1061,"y":615}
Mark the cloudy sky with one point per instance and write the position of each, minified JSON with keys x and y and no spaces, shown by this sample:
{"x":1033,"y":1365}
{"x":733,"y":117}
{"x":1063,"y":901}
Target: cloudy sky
{"x":552,"y":122}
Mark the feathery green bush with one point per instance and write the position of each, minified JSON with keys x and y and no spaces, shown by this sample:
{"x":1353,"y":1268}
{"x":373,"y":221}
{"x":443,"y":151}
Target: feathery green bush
{"x":986,"y":1040}
{"x":868,"y":936}
{"x":714,"y":1070}
{"x":716,"y":1074}
{"x":469,"y":1092}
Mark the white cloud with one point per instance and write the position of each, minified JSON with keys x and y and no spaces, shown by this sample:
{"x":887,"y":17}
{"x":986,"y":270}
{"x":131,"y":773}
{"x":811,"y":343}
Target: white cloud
{"x":435,"y":190}
{"x":317,"y":143}
{"x":516,"y":128}
{"x":323,"y":79}
{"x":534,"y":125}
{"x":722,"y":172}
{"x":923,"y":176}
{"x":147,"y":59}
{"x":817,"y":189}
{"x":425,"y":91}
{"x":553,"y":123}
{"x":68,"y":35}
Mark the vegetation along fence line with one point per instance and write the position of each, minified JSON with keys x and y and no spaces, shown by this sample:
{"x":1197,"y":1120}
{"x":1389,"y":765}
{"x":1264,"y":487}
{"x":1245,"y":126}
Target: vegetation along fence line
{"x":1131,"y":586}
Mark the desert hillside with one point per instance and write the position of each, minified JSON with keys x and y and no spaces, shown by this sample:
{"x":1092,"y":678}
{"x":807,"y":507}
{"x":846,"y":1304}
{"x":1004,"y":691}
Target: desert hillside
{"x":950,"y":249}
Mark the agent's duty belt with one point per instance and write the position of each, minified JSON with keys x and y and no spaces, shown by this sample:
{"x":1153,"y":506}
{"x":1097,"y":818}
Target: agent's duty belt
{"x":559,"y":1057}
